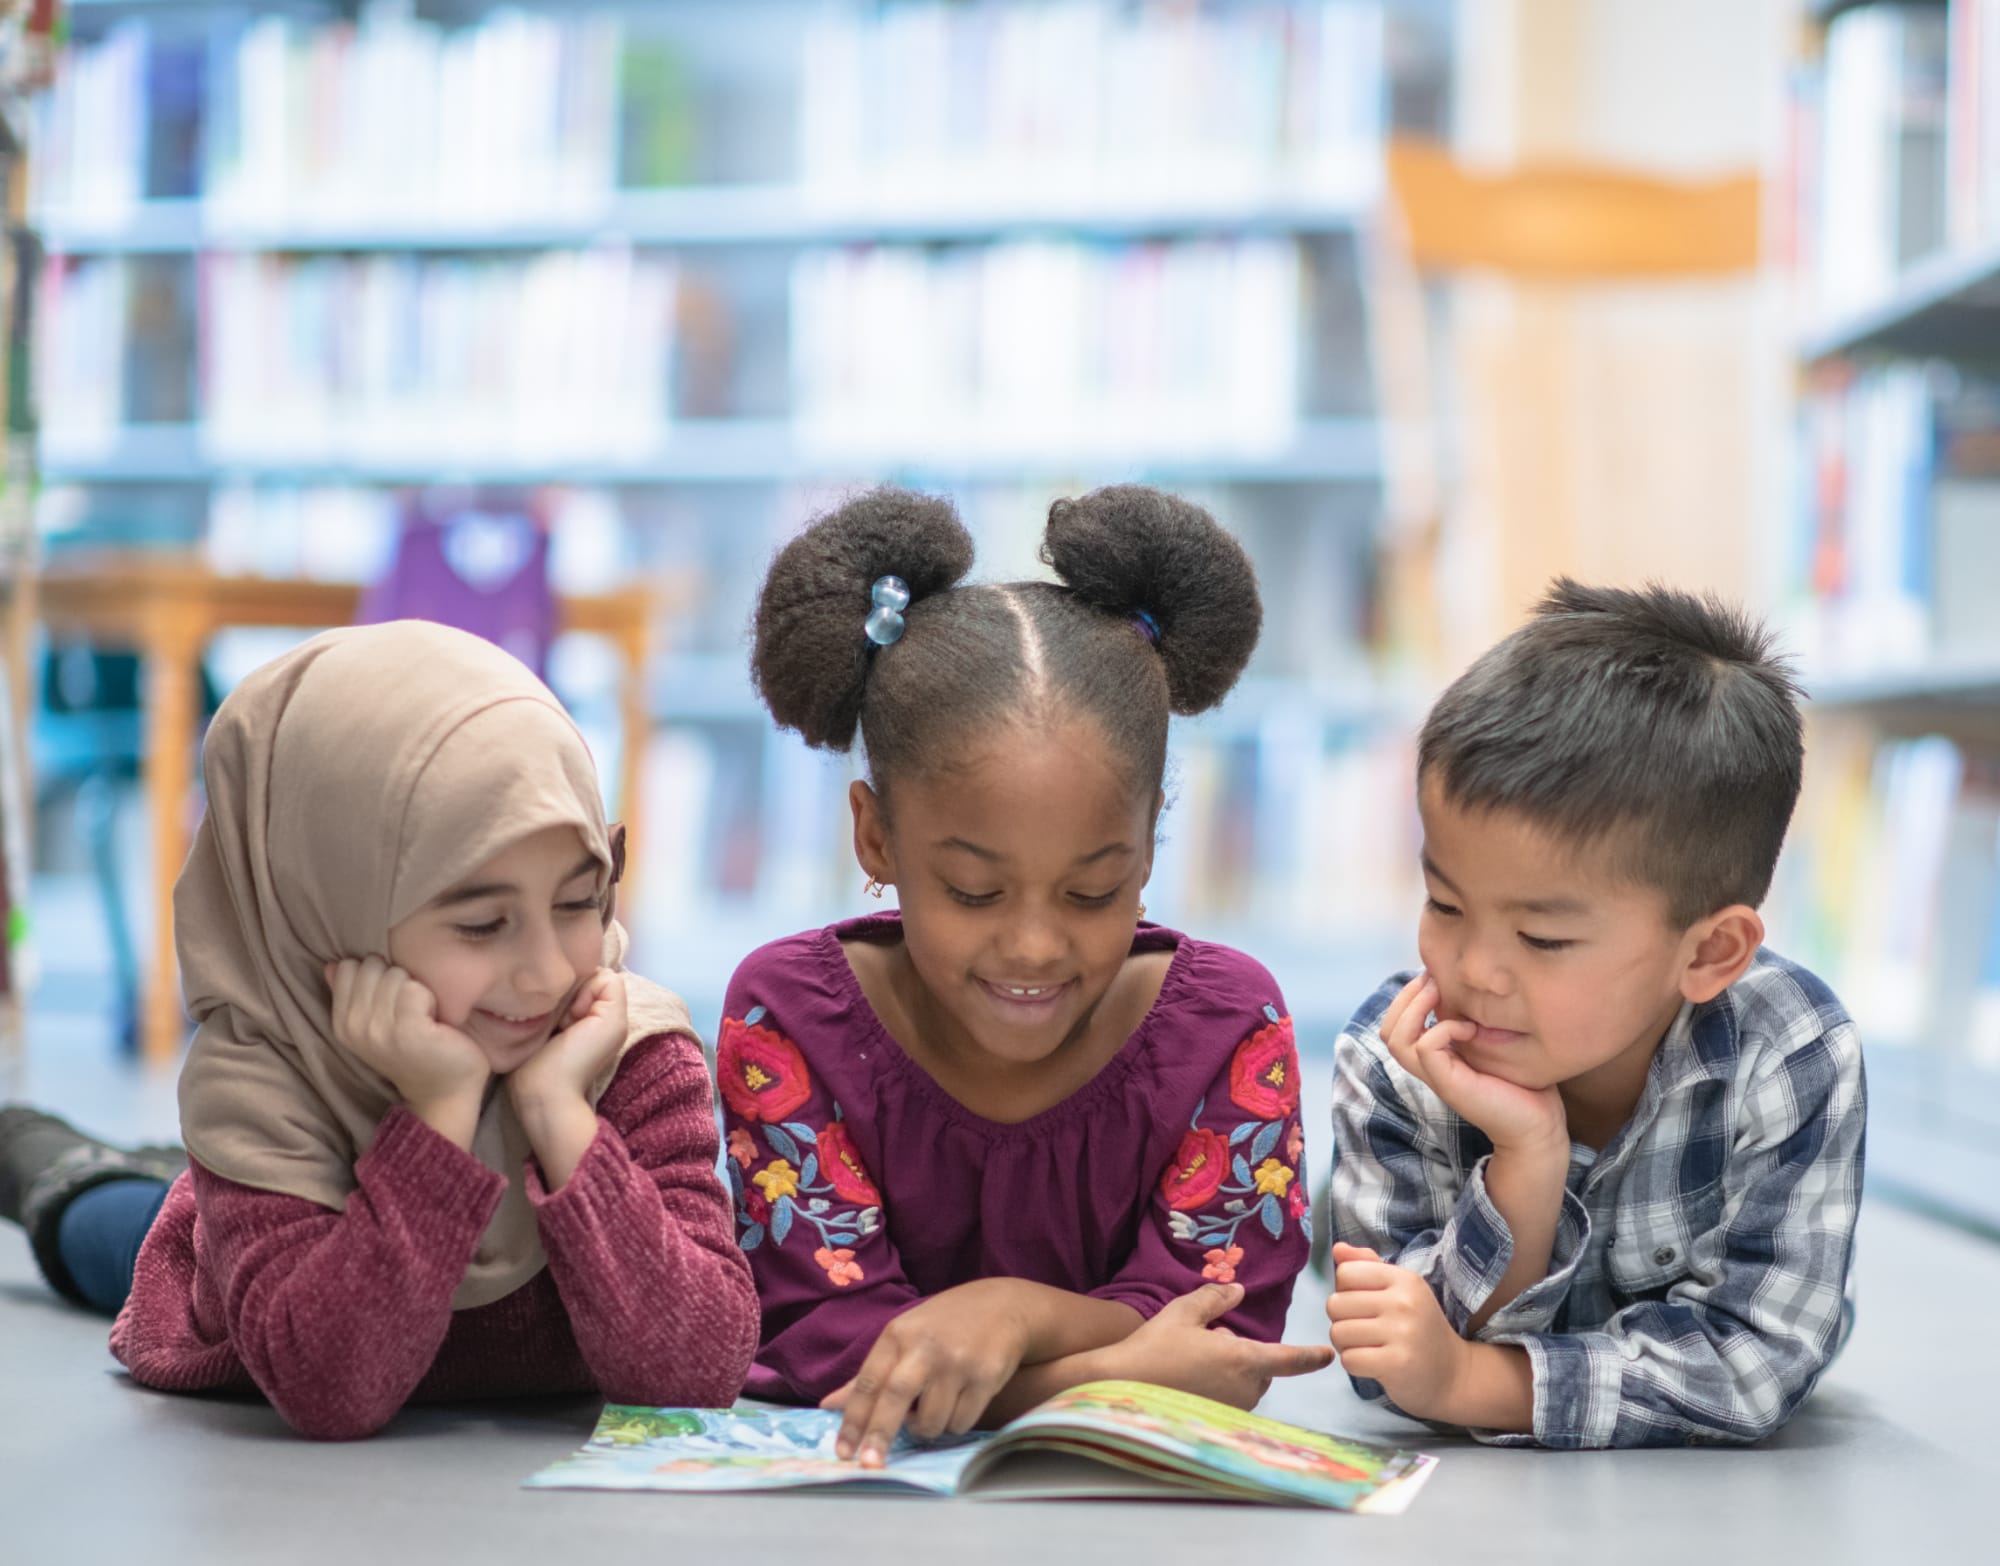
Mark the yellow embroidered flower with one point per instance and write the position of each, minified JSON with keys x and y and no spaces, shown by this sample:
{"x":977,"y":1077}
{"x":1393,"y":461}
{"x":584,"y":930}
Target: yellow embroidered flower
{"x":778,"y":1178}
{"x":1271,"y":1176}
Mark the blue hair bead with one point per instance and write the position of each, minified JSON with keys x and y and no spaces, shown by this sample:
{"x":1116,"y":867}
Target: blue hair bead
{"x":884,"y":626}
{"x":1148,"y":626}
{"x":890,"y":596}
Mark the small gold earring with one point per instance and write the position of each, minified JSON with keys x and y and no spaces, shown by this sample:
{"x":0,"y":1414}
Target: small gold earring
{"x":1142,"y":910}
{"x":873,"y":887}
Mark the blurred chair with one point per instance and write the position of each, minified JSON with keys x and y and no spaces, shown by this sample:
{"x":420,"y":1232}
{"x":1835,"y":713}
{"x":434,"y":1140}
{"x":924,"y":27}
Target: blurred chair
{"x":478,"y":561}
{"x":89,"y":739}
{"x":1554,"y":229}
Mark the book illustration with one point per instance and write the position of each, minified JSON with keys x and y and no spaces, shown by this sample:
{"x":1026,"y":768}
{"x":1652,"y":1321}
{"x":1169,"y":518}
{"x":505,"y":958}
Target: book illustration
{"x":1104,"y":1440}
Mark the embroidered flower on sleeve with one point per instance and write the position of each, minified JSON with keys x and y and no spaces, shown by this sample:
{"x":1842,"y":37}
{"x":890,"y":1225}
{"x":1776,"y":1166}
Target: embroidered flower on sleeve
{"x":1271,"y":1177}
{"x":814,"y":1185}
{"x":841,"y":1267}
{"x":1197,"y":1170}
{"x":1216,"y":1184}
{"x":761,"y":1073}
{"x":741,"y":1148}
{"x":842,"y":1166}
{"x":777,"y":1178}
{"x":1221,"y":1266}
{"x":1264,"y":1075}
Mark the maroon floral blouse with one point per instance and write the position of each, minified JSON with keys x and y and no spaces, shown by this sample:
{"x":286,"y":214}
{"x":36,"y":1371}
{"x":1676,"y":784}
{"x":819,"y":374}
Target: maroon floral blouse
{"x":861,"y":1186}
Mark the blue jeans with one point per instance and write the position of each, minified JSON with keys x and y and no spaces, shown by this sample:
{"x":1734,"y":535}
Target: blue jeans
{"x":100,"y":1233}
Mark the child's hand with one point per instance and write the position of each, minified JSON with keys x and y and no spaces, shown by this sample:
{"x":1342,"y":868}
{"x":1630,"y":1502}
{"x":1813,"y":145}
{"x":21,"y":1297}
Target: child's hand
{"x":1182,"y":1348}
{"x":1511,"y":1116}
{"x":1387,"y":1326}
{"x":935,"y":1367}
{"x":388,"y":1021}
{"x":592,"y":1035}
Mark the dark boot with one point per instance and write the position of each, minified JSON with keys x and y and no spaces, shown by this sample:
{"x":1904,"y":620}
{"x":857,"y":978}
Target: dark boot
{"x":46,"y":1163}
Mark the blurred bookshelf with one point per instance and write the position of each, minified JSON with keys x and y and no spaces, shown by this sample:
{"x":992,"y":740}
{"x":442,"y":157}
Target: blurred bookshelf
{"x":25,"y":61}
{"x":694,"y":272}
{"x":727,"y":451}
{"x":1890,"y":886}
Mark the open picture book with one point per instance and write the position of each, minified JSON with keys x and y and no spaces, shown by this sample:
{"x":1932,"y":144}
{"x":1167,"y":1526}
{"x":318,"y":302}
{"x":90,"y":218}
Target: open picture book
{"x":1104,"y":1440}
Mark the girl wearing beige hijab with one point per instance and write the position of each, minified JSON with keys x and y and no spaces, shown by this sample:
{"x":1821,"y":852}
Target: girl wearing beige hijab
{"x":442,"y":1144}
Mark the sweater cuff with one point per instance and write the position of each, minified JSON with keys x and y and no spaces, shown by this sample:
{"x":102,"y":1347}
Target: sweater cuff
{"x":425,"y":1168}
{"x":595,"y":1191}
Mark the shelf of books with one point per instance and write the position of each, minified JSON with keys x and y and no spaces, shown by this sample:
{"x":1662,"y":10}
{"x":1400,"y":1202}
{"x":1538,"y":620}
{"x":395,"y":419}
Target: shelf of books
{"x":1891,"y":886}
{"x":694,"y":274}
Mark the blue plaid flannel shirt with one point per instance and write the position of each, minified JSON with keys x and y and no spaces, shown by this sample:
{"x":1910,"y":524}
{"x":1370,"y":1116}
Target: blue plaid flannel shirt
{"x":1698,"y":1284}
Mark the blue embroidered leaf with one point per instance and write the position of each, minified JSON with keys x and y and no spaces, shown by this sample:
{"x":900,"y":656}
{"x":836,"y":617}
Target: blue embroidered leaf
{"x":1268,"y":1210}
{"x":1212,"y":1237}
{"x":1272,"y":1012}
{"x":781,"y":1219}
{"x":1246,"y":1130}
{"x":803,"y":1132}
{"x":1234,"y":1207}
{"x":1241,"y":1170}
{"x":782,"y":1144}
{"x":753,"y":1016}
{"x":735,"y":1177}
{"x":752,"y":1237}
{"x":811,"y":1171}
{"x":1306,"y":1225}
{"x":1266,"y":1140}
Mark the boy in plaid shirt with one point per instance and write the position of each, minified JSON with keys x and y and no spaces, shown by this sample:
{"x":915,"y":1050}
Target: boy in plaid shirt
{"x":1596,"y":1166}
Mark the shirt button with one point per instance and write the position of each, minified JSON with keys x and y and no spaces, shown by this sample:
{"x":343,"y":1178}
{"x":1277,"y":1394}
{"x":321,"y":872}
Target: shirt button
{"x":1663,"y":1255}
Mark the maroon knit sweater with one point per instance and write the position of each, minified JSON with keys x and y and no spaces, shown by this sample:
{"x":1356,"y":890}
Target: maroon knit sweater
{"x":340,"y":1318}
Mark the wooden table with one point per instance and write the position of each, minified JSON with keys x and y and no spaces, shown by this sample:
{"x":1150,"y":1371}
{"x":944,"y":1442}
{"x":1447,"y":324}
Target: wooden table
{"x":169,"y":608}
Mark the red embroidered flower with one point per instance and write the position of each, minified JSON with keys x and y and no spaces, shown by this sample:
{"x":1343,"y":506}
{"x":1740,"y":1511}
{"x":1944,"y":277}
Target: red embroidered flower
{"x":1222,"y":1264}
{"x":843,"y":1168}
{"x":741,"y":1148}
{"x":756,"y":1207}
{"x":1264,"y":1076}
{"x":1295,"y":1144}
{"x":761,"y":1072}
{"x":1295,"y":1200}
{"x":1197,"y":1170}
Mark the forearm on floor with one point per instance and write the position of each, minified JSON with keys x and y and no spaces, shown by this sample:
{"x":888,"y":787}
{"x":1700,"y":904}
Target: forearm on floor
{"x":1493,"y":1390}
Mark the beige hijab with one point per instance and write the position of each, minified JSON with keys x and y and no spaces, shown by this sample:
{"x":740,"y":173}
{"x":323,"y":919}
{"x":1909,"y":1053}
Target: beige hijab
{"x":351,"y":781}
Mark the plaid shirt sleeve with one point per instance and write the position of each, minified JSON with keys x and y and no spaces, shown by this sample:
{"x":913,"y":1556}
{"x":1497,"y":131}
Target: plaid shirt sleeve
{"x":1734,"y":1347}
{"x":1409,"y":1182}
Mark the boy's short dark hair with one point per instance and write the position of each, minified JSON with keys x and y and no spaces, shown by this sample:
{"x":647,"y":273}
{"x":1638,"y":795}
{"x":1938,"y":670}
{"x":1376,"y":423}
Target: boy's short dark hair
{"x":1659,"y":722}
